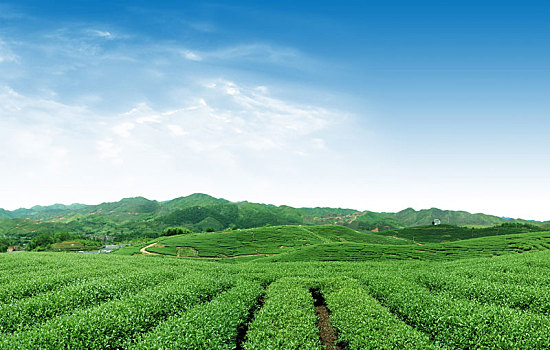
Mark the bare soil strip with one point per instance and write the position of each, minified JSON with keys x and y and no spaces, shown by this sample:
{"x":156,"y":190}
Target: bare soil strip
{"x":243,"y":327}
{"x":327,"y":334}
{"x":145,"y":252}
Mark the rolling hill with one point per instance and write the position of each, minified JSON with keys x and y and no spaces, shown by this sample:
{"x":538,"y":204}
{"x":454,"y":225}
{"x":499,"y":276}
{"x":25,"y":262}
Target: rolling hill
{"x":262,"y":240}
{"x":140,"y":217}
{"x":472,"y":248}
{"x":335,"y":243}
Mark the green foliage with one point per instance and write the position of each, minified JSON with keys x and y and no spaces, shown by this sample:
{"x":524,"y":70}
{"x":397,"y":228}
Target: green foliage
{"x":446,"y":233}
{"x":172,"y":231}
{"x":411,"y":217}
{"x":362,"y":323}
{"x":139,"y":217}
{"x":115,"y":323}
{"x":45,"y":240}
{"x":455,"y":322}
{"x":477,"y":247}
{"x":4,"y":244}
{"x":85,"y":292}
{"x":287,"y":319}
{"x":264,"y":240}
{"x":51,"y":301}
{"x":212,"y":325}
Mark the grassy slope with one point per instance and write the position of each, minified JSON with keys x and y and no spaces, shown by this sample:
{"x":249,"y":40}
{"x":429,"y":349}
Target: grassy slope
{"x":263,"y":240}
{"x":448,"y":233}
{"x":472,"y":248}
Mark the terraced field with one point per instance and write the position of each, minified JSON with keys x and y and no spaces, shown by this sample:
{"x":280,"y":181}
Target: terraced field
{"x":78,"y":301}
{"x":261,"y":241}
{"x":333,"y":243}
{"x":477,"y":247}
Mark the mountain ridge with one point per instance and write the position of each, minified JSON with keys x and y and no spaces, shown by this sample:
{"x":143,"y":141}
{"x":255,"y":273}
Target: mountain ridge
{"x":200,"y":198}
{"x":135,"y":217}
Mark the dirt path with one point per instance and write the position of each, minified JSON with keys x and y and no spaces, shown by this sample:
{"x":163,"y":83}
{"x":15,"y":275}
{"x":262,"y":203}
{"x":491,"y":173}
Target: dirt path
{"x":145,"y":252}
{"x":327,"y":334}
{"x":403,"y":239}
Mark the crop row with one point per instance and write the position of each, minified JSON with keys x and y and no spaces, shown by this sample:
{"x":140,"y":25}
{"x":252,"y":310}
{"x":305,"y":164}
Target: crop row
{"x":362,"y":323}
{"x":85,"y":293}
{"x":116,"y":323}
{"x":506,"y":271}
{"x":21,"y":287}
{"x":72,"y":269}
{"x":515,"y":296}
{"x":287,"y":319}
{"x":211,"y":325}
{"x":459,"y":323}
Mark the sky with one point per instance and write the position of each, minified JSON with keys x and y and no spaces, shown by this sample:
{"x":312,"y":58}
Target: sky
{"x":372,"y":105}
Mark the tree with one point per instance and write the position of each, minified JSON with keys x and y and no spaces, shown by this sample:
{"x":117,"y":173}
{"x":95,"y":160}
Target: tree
{"x":171,"y":231}
{"x":4,"y":244}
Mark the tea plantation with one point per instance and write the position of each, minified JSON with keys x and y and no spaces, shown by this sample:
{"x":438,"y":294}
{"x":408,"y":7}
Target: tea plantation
{"x":484,"y":293}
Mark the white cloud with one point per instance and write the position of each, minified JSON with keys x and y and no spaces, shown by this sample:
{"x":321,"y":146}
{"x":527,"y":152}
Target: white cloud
{"x":213,"y":138}
{"x":190,"y":55}
{"x":103,"y":34}
{"x":231,"y":118}
{"x":177,"y":130}
{"x":223,"y":118}
{"x":124,"y":129}
{"x":106,"y":34}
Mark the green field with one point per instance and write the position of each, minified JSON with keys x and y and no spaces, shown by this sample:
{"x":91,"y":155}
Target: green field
{"x":337,"y":243}
{"x":449,"y":233}
{"x":477,"y":247}
{"x":60,"y":300}
{"x":287,"y":287}
{"x":262,"y":240}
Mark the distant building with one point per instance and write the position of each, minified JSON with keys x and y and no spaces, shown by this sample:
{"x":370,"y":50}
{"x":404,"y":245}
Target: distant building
{"x":436,"y":222}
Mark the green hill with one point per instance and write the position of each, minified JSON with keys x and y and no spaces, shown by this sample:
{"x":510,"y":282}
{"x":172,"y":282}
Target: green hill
{"x":138,"y":217}
{"x":446,"y":233}
{"x":471,"y":248}
{"x":411,"y":217}
{"x":262,"y":240}
{"x":4,"y":214}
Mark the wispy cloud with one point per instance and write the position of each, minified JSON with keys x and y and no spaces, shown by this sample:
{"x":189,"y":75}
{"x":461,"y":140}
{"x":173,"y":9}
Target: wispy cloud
{"x":225,"y":124}
{"x":106,"y":34}
{"x":190,"y":55}
{"x":102,"y":34}
{"x":230,"y":118}
{"x":6,"y":54}
{"x":262,"y":53}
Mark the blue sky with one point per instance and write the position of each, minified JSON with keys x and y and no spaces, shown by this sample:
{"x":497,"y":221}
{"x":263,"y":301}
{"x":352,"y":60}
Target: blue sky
{"x":377,"y":105}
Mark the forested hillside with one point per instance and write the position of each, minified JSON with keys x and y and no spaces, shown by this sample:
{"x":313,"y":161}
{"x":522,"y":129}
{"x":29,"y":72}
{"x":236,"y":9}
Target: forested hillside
{"x":137,"y":217}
